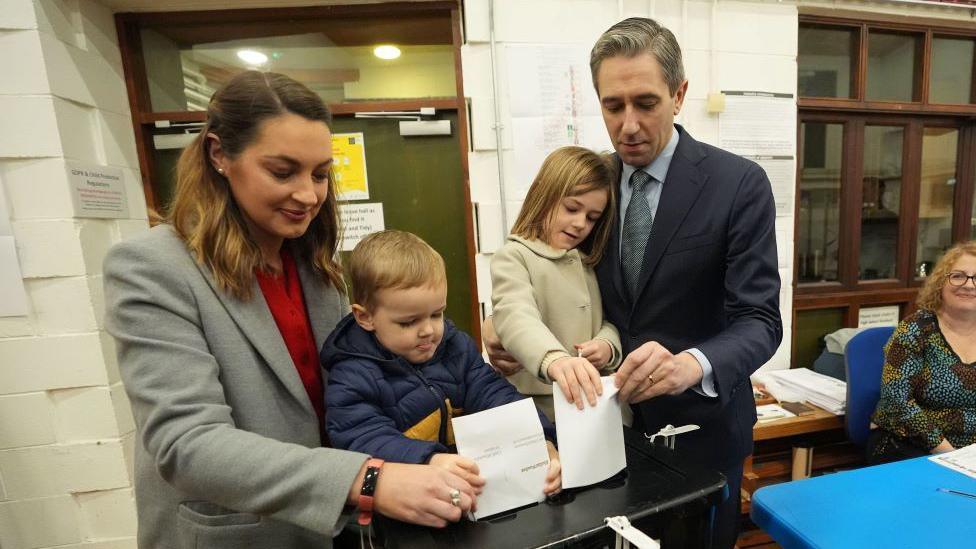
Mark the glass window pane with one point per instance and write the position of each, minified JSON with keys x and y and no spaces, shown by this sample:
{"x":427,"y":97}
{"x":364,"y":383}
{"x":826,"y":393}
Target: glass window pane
{"x":892,"y":59}
{"x":187,"y":62}
{"x":952,"y":70}
{"x":825,"y":61}
{"x":819,"y":216}
{"x":881,"y":201}
{"x":809,"y":332}
{"x":936,"y":198}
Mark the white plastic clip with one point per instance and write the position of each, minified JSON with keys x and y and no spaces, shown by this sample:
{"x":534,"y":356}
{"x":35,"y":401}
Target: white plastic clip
{"x":669,"y":432}
{"x":627,"y":534}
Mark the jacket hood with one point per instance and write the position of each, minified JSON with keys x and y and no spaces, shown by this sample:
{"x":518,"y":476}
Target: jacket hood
{"x":542,"y":249}
{"x":349,"y":340}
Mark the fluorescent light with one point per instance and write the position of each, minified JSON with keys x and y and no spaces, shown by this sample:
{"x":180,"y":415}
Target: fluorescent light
{"x":252,"y":57}
{"x":386,"y":52}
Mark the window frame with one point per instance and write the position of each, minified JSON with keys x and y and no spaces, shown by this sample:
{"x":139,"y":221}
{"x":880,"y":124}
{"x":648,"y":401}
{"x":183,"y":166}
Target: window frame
{"x":854,"y":114}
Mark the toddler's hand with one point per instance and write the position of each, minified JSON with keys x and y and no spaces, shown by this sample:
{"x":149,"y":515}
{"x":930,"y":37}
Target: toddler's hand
{"x":554,"y":477}
{"x":460,"y":466}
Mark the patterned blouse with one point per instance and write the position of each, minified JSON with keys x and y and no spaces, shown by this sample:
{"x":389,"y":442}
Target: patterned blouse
{"x":927,"y":392}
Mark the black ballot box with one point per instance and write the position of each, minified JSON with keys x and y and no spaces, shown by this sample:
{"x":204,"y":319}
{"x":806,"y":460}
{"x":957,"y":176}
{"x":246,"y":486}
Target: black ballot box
{"x":661,"y":494}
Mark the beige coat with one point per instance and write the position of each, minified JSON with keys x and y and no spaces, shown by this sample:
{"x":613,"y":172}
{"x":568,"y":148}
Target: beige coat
{"x":543,"y":300}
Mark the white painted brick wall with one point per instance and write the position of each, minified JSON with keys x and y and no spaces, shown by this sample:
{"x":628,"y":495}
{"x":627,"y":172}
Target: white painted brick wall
{"x":57,"y":469}
{"x":107,"y":513}
{"x":25,"y":420}
{"x":51,"y":362}
{"x":41,"y":522}
{"x":66,"y":431}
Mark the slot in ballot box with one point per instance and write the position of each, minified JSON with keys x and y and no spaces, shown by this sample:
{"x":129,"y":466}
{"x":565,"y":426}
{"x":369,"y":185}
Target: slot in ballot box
{"x":658,"y":492}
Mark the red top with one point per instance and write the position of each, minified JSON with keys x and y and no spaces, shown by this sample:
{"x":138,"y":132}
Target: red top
{"x":287,"y":304}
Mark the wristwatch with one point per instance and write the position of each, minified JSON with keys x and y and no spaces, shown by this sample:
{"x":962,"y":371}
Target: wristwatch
{"x":372,"y":475}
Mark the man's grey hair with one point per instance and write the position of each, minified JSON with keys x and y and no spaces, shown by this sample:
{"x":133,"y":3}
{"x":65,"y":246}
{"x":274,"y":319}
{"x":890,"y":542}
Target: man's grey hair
{"x":637,"y":35}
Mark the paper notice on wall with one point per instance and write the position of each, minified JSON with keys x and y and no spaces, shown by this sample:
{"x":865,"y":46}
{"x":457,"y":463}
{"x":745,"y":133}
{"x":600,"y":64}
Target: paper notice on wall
{"x":508,"y":444}
{"x":877,"y":316}
{"x":761,"y":126}
{"x":97,"y":191}
{"x":782,"y":176}
{"x":359,"y":220}
{"x":349,"y":166}
{"x":756,"y":123}
{"x":13,"y":297}
{"x":552,"y":104}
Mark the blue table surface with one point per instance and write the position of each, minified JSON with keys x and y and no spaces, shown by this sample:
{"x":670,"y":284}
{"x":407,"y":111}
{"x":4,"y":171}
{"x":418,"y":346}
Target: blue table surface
{"x":893,"y":505}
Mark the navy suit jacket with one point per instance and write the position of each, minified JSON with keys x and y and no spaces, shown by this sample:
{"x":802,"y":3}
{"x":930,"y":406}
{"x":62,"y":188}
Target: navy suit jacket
{"x":709,"y":280}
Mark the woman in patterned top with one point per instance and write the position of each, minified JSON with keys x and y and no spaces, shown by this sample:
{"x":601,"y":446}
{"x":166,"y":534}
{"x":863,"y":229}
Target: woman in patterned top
{"x":928,"y":385}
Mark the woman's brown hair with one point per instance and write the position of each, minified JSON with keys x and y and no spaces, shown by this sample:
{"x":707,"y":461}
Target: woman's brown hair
{"x":568,"y":171}
{"x":203,"y":211}
{"x":930,"y":296}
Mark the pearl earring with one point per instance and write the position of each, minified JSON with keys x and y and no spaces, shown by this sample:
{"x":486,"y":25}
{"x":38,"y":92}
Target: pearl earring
{"x":220,"y":171}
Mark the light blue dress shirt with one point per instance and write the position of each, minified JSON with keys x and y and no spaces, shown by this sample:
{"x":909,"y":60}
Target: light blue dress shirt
{"x":658,"y":170}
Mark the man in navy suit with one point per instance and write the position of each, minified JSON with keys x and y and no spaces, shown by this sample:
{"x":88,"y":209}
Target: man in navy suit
{"x":691,"y":280}
{"x":690,"y":275}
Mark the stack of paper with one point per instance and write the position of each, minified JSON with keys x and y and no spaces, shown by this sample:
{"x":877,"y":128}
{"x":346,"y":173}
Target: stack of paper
{"x":803,"y":384}
{"x":962,"y":460}
{"x":772,"y":412}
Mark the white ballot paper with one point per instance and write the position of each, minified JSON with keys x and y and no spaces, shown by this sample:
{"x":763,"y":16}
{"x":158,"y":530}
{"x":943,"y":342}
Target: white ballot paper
{"x":591,"y":440}
{"x":509,"y":447}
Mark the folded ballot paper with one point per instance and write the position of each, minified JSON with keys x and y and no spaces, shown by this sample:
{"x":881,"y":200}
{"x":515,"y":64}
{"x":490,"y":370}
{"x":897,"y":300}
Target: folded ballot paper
{"x":509,"y":447}
{"x":591,"y":440}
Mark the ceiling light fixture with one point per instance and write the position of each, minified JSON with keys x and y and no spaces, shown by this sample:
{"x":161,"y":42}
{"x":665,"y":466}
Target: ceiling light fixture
{"x":386,"y":52}
{"x":252,"y":57}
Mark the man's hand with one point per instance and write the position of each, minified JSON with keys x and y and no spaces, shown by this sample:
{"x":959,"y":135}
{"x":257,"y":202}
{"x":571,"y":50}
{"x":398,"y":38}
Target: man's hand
{"x":651,"y":370}
{"x":501,"y":360}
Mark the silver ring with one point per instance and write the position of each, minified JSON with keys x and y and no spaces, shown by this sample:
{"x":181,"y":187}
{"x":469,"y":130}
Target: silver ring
{"x":455,"y":497}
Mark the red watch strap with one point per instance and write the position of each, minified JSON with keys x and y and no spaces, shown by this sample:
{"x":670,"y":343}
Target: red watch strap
{"x":366,"y":498}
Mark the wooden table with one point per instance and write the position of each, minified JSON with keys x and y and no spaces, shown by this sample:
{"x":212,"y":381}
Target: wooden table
{"x":820,"y":420}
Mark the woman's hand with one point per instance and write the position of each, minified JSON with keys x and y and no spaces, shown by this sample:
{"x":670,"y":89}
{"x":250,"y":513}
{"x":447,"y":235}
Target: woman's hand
{"x":597,"y":351}
{"x":420,"y":494}
{"x":460,"y":466}
{"x":576,"y":377}
{"x":554,"y":477}
{"x":943,"y":447}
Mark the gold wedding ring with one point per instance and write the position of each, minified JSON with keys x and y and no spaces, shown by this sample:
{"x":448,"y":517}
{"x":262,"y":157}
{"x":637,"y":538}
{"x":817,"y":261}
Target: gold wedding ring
{"x":456,"y":497}
{"x":650,"y":377}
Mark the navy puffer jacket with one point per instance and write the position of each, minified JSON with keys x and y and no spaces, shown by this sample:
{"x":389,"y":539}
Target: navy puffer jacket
{"x":381,"y":405}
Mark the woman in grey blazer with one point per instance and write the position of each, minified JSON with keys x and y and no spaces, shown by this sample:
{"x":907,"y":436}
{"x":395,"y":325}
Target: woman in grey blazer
{"x":229,"y":448}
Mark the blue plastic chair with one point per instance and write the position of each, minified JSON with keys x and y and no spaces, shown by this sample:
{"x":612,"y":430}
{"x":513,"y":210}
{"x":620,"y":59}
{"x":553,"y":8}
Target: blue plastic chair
{"x":863,"y":361}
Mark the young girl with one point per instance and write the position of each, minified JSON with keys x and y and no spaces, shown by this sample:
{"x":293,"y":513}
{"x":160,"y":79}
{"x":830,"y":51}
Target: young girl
{"x":546,"y":304}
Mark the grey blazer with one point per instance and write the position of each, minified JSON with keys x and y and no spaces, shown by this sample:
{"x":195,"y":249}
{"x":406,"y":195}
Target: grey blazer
{"x":228,"y":450}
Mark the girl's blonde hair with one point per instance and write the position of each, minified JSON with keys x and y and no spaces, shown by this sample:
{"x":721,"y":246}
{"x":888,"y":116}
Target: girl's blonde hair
{"x":930,"y":296}
{"x":569,"y":171}
{"x":203,"y":211}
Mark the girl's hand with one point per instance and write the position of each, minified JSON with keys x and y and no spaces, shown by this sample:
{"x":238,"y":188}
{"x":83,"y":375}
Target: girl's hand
{"x":597,"y":351}
{"x":576,"y":377}
{"x":554,"y":477}
{"x":460,"y":466}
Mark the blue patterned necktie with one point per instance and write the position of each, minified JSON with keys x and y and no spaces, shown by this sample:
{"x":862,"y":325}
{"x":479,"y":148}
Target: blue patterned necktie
{"x":636,"y":230}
